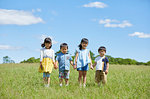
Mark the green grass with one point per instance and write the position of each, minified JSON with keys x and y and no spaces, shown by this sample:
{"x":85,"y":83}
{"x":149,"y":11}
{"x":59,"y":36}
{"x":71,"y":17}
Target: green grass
{"x":24,"y":81}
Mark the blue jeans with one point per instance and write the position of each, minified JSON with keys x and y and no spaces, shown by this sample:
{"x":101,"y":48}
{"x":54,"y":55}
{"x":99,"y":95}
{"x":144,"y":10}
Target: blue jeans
{"x":46,"y":74}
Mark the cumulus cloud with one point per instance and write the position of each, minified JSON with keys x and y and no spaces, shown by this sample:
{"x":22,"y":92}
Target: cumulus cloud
{"x":8,"y":47}
{"x":18,"y":17}
{"x":115,"y":23}
{"x":140,"y":35}
{"x":95,"y":4}
{"x":44,"y":36}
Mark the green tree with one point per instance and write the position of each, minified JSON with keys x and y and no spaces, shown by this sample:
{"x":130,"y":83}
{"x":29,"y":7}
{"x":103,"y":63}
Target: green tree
{"x":148,"y":63}
{"x":7,"y":59}
{"x":31,"y":60}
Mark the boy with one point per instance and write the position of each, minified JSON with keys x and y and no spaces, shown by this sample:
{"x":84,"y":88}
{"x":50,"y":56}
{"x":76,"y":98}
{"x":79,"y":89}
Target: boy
{"x":102,"y":66}
{"x":64,"y":59}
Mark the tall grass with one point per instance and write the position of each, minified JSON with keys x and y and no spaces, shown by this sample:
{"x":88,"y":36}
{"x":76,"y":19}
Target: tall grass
{"x":24,"y":81}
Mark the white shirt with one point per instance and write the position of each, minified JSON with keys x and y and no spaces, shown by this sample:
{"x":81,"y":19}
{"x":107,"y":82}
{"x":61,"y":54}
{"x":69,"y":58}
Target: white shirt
{"x":47,"y":53}
{"x":99,"y":62}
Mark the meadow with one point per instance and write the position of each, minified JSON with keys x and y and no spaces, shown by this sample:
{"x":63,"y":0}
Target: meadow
{"x":19,"y":81}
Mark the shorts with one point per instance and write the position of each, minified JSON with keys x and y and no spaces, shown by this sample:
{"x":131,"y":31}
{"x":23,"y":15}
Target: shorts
{"x":100,"y":76}
{"x":85,"y":68}
{"x":64,"y":74}
{"x":46,"y":74}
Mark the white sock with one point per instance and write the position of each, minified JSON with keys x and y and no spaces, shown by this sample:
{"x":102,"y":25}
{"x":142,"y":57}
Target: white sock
{"x":60,"y":85}
{"x":84,"y":85}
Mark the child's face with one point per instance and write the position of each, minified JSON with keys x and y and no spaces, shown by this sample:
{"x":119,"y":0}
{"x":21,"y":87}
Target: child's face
{"x":47,"y":45}
{"x":84,"y":45}
{"x":102,"y":53}
{"x":64,"y":49}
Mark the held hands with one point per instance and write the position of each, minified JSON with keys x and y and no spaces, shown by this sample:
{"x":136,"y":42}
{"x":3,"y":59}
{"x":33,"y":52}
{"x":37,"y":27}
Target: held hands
{"x":55,"y":66}
{"x":92,"y":66}
{"x":75,"y":66}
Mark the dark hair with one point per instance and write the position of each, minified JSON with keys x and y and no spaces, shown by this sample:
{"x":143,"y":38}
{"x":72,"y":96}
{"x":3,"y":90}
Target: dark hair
{"x":47,"y":40}
{"x":64,"y":45}
{"x":85,"y":40}
{"x":102,"y":48}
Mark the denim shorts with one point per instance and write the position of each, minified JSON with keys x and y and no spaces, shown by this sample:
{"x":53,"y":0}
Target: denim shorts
{"x":64,"y":74}
{"x":85,"y":68}
{"x":46,"y":74}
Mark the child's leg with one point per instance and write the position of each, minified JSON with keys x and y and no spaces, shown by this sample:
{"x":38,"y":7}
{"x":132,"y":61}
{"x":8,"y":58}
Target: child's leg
{"x":67,"y":82}
{"x":97,"y":77}
{"x":66,"y":77}
{"x":48,"y":78}
{"x":80,"y":76}
{"x":84,"y":77}
{"x":61,"y":76}
{"x":44,"y":78}
{"x":104,"y":78}
{"x":60,"y":80}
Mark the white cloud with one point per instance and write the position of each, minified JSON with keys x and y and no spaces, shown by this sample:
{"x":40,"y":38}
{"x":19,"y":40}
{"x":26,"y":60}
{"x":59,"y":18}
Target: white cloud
{"x":44,"y":36}
{"x":8,"y":47}
{"x":96,"y":5}
{"x":140,"y":35}
{"x":115,"y":23}
{"x":18,"y":17}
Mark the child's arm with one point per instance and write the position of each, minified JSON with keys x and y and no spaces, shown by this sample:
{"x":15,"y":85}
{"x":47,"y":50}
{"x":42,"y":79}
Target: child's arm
{"x":53,"y":57}
{"x":91,"y":61}
{"x":75,"y":66}
{"x":106,"y":72}
{"x":41,"y":58}
{"x":94,"y":64}
{"x":41,"y":65}
{"x":71,"y":62}
{"x":56,"y":64}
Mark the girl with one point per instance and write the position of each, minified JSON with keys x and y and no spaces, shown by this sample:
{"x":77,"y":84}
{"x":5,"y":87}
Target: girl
{"x":46,"y":60}
{"x":82,"y":59}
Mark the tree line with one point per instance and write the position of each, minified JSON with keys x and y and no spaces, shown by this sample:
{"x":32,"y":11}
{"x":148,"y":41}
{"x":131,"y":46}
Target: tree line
{"x":112,"y":60}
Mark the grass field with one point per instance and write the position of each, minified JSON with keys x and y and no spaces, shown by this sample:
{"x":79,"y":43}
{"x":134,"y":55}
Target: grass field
{"x":24,"y":81}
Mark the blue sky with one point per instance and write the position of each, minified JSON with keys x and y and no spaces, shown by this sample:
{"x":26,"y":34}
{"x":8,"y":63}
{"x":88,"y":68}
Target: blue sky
{"x":122,"y":26}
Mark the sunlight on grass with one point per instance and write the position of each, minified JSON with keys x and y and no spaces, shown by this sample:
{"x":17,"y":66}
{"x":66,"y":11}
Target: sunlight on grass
{"x":24,"y":81}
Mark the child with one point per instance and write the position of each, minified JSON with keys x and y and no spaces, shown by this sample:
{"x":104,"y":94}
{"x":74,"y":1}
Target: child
{"x":64,"y":59}
{"x":47,"y":60}
{"x":82,"y":59}
{"x":102,"y":66}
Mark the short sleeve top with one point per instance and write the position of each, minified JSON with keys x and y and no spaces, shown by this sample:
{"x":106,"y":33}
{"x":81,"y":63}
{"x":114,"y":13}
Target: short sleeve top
{"x":64,"y":61}
{"x":83,"y":57}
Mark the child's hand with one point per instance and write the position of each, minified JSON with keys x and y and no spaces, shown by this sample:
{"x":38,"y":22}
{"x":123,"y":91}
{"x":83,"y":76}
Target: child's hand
{"x":92,"y":67}
{"x":106,"y":72}
{"x":55,"y":67}
{"x":75,"y":66}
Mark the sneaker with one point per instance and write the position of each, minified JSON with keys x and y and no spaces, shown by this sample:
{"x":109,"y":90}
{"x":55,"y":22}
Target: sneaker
{"x":46,"y":85}
{"x":84,"y":85}
{"x":60,"y":85}
{"x":67,"y":84}
{"x":80,"y":85}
